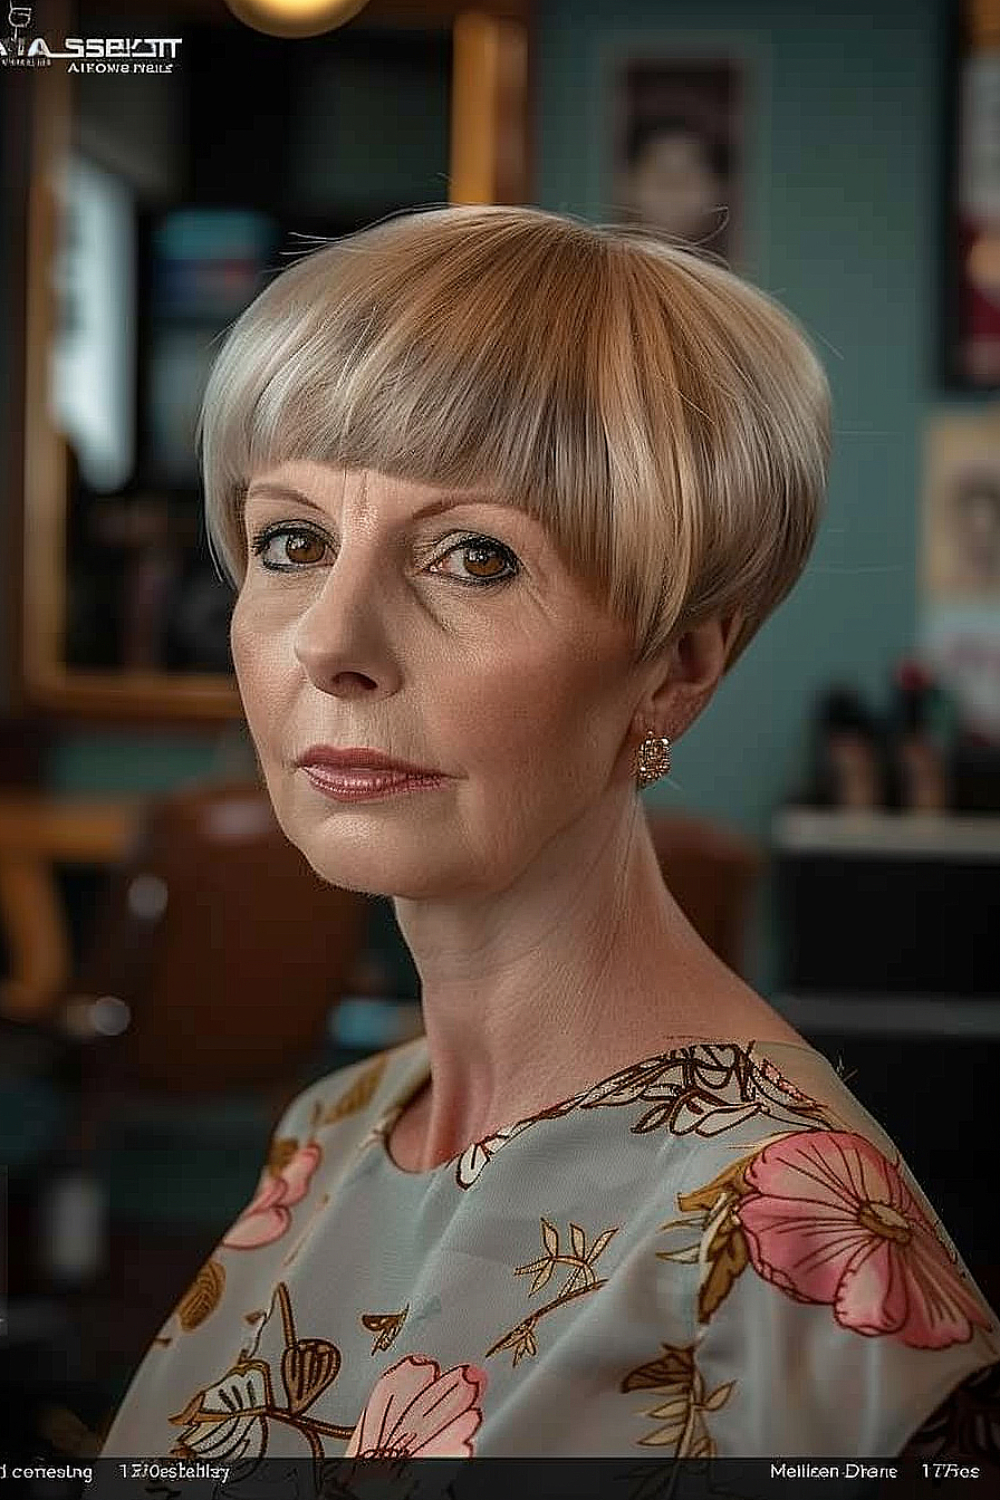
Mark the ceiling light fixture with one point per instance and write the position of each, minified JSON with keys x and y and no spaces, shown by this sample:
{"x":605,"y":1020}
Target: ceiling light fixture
{"x":294,"y":18}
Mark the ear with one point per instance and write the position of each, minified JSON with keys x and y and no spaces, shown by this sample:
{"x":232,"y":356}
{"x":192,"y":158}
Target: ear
{"x":687,"y":676}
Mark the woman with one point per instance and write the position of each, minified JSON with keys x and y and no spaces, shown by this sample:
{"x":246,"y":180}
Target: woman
{"x":504,"y":495}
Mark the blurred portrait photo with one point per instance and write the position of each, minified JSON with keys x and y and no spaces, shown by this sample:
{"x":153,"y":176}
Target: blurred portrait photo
{"x":962,"y":508}
{"x":960,"y":613}
{"x":677,"y":150}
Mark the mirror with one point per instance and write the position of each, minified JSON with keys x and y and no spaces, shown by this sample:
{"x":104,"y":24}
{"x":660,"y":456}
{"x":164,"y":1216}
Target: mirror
{"x":160,"y":200}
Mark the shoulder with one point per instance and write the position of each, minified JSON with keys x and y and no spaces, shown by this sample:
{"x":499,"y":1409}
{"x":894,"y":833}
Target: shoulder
{"x":803,"y":1219}
{"x":346,"y":1092}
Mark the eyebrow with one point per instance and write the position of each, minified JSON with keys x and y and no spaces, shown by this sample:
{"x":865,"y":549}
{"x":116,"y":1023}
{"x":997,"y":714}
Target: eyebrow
{"x":289,"y":492}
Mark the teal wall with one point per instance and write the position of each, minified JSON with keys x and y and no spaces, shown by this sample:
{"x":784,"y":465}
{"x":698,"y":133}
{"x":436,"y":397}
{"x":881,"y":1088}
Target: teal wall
{"x":846,"y":122}
{"x":843,"y":213}
{"x":841,"y":201}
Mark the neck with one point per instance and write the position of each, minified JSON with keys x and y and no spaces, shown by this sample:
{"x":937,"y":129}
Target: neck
{"x":583,"y":965}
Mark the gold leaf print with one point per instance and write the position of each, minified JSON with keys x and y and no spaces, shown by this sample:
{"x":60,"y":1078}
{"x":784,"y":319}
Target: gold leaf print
{"x":472,"y":1161}
{"x":232,"y":1416}
{"x":550,"y":1237}
{"x":203,"y":1295}
{"x":687,"y":1256}
{"x":719,"y":1397}
{"x":600,"y":1242}
{"x":580,"y":1260}
{"x":358,"y":1096}
{"x":729,"y":1182}
{"x":674,"y":1367}
{"x":522,"y":1338}
{"x":721,"y":1248}
{"x":307,"y":1367}
{"x":682,"y":1413}
{"x":581,"y":1282}
{"x":705,"y":1089}
{"x":385,"y":1325}
{"x":727,"y":1256}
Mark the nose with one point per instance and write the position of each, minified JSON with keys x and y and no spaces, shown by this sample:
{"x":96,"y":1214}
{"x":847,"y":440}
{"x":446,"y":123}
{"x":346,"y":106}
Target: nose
{"x":344,"y":638}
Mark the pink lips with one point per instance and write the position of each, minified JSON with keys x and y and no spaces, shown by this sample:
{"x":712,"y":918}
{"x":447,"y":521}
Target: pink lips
{"x":359,"y":759}
{"x":360,"y":775}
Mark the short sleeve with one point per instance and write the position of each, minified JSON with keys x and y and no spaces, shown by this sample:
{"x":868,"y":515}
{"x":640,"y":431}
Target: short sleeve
{"x":833,"y":1311}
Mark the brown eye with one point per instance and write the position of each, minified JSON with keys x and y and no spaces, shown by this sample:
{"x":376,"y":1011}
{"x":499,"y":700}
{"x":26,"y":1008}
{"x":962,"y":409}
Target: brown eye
{"x":483,"y":562}
{"x":301,"y":548}
{"x":297,"y":549}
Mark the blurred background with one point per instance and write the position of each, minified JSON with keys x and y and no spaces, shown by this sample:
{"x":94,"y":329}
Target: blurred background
{"x":172,"y":972}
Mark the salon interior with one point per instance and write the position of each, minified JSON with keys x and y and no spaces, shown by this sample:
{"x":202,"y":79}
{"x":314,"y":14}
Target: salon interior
{"x":830,"y":825}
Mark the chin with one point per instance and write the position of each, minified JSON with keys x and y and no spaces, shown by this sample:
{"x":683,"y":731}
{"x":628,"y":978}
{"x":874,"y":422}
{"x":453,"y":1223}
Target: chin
{"x":389,"y":853}
{"x":390,"y":866}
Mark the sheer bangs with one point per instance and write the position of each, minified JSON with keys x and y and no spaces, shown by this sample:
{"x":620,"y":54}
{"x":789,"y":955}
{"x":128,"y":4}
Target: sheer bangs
{"x":618,"y":389}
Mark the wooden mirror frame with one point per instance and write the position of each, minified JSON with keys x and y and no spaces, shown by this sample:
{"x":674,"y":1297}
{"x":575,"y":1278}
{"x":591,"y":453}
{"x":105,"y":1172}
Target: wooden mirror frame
{"x":489,"y":154}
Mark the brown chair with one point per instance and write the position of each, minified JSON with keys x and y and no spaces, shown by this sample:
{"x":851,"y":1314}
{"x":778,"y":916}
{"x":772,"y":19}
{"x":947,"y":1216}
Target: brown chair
{"x":712,"y":873}
{"x":228,"y":950}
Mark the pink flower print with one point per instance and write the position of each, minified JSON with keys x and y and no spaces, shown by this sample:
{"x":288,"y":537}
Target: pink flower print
{"x":266,"y":1218}
{"x":829,"y":1219}
{"x":414,"y":1410}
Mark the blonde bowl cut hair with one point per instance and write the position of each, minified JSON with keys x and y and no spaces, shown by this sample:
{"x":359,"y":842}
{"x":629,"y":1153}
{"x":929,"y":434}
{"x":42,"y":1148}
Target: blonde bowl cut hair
{"x":667,"y":423}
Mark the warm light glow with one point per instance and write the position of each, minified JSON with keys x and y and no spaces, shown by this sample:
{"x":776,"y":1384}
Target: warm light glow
{"x":295,"y":17}
{"x":983,"y":265}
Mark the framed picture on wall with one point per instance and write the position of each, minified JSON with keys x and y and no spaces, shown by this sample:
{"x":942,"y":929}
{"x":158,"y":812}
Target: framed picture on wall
{"x":675,"y":160}
{"x":961,"y":508}
{"x":960,"y":566}
{"x":970,"y":321}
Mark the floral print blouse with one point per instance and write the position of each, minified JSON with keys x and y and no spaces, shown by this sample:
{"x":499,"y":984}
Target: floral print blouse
{"x":713,"y":1252}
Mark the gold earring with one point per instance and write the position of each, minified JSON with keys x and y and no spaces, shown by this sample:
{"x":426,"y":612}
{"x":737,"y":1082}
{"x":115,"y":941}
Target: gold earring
{"x":652,"y":759}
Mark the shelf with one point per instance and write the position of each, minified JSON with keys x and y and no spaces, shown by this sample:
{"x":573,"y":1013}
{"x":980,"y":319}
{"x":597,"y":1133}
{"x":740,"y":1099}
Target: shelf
{"x":945,"y":1016}
{"x":806,"y":830}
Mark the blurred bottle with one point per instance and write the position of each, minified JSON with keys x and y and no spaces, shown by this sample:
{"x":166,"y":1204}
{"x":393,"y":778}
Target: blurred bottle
{"x":71,"y":1216}
{"x":848,"y":763}
{"x":71,"y":1221}
{"x":923,"y":726}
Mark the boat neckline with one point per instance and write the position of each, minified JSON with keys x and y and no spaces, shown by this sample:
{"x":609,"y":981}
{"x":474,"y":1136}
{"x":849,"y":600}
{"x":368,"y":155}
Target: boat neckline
{"x":414,"y":1082}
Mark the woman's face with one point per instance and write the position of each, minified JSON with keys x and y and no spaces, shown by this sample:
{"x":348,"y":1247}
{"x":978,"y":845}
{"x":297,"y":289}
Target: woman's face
{"x":361,"y":623}
{"x":674,"y":187}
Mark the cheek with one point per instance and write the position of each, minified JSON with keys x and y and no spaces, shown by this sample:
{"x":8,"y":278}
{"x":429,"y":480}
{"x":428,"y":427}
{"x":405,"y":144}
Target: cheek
{"x":245,"y":658}
{"x":257,"y":675}
{"x":538,"y":721}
